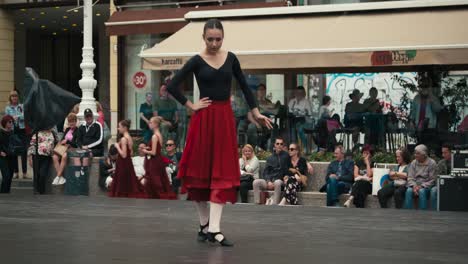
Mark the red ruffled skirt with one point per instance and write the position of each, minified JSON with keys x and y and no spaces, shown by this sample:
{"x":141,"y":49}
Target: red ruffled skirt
{"x":158,"y":185}
{"x":125,"y":182}
{"x":209,"y":168}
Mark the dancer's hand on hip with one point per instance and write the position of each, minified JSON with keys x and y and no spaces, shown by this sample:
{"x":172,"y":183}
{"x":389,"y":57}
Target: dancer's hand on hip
{"x":202,"y":103}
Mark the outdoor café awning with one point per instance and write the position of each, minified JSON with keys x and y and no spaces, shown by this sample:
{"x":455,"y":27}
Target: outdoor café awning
{"x":163,"y":20}
{"x":347,"y":40}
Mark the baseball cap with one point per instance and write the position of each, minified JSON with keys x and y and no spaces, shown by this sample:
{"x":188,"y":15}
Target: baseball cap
{"x":88,"y":112}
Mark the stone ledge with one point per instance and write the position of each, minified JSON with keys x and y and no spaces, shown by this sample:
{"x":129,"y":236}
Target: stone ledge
{"x":318,"y":199}
{"x":94,"y":189}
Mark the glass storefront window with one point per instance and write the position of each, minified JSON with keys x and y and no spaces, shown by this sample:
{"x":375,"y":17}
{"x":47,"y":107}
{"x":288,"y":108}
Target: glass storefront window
{"x":138,"y":81}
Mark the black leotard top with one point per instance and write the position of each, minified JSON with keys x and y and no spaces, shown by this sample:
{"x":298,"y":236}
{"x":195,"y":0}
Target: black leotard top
{"x":213,"y":83}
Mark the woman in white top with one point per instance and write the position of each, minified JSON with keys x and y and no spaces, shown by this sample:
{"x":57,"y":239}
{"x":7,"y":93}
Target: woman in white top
{"x":397,"y":187}
{"x":249,"y":169}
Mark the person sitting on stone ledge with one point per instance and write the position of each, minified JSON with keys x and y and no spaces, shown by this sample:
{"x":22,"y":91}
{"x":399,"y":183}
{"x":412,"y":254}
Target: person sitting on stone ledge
{"x":397,"y":187}
{"x":296,"y":178}
{"x":340,"y":177}
{"x":173,"y":168}
{"x":249,"y":169}
{"x":421,"y":178}
{"x":362,"y":179}
{"x":90,"y":134}
{"x":107,"y":168}
{"x":444,"y":167}
{"x":276,"y":168}
{"x":68,"y":140}
{"x":138,"y":163}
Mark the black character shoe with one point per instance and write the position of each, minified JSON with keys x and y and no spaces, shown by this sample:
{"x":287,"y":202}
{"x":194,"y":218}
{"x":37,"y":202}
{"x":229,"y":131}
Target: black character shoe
{"x":220,"y":238}
{"x":202,"y":236}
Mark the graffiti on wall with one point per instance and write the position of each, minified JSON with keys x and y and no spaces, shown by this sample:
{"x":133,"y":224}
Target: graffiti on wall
{"x":340,"y":85}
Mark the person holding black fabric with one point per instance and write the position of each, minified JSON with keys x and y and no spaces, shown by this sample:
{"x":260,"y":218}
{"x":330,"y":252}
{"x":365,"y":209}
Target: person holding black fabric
{"x":209,"y":168}
{"x":7,"y":159}
{"x":90,"y":135}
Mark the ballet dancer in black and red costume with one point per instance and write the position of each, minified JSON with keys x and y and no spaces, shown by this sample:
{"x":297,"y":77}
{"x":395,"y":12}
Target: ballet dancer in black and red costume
{"x":209,"y":168}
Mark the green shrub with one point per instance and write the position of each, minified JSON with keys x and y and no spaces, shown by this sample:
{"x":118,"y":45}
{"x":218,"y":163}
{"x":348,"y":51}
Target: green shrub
{"x":384,"y":157}
{"x":321,"y":156}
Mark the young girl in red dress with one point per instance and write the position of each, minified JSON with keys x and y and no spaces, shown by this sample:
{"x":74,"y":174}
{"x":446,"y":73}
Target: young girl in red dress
{"x":209,"y":168}
{"x":125,"y":182}
{"x":157,"y":183}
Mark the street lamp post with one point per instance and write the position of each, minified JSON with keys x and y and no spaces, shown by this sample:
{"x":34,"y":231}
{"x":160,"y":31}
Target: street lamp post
{"x":87,"y":82}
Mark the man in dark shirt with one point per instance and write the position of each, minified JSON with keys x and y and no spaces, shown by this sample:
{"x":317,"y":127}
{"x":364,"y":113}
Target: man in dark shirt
{"x":277,"y":166}
{"x":89,"y":135}
{"x":353,"y":114}
{"x":172,"y":154}
{"x":444,"y":167}
{"x":340,"y":177}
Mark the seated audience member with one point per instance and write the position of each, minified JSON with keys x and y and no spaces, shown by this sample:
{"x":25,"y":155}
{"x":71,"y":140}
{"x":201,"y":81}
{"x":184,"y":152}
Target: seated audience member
{"x":354,"y":114}
{"x":397,"y":188}
{"x":362,"y":179}
{"x":276,"y":168}
{"x":300,"y":107}
{"x":421,"y":178}
{"x":75,"y":110}
{"x":107,"y":168}
{"x":139,"y":161}
{"x":90,"y":135}
{"x":340,"y":177}
{"x":173,"y":168}
{"x":249,"y":169}
{"x":258,"y":135}
{"x":373,"y":118}
{"x":322,"y":128}
{"x":296,"y":178}
{"x":444,"y":167}
{"x":68,"y":140}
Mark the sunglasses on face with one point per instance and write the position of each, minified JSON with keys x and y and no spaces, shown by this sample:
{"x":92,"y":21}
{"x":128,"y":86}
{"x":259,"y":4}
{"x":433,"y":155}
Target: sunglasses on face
{"x":292,"y":149}
{"x":213,"y":39}
{"x":278,"y":144}
{"x":169,"y":145}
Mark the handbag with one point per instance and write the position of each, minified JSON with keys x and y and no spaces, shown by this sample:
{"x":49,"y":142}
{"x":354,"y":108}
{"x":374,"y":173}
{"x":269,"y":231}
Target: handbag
{"x":60,"y":149}
{"x":303,"y":180}
{"x":246,"y":178}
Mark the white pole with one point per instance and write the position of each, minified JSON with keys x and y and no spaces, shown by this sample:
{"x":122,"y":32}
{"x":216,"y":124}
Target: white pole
{"x":87,"y":82}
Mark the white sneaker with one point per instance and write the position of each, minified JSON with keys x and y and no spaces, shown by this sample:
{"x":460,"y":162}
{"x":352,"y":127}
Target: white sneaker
{"x":347,"y":204}
{"x":62,"y":181}
{"x":56,"y":181}
{"x":108,"y":181}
